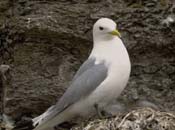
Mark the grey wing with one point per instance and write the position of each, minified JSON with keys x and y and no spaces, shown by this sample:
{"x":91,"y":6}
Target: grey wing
{"x":81,"y":87}
{"x":85,"y":66}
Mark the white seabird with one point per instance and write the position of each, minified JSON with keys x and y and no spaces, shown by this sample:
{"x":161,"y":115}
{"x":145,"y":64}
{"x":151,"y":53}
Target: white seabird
{"x":100,"y":79}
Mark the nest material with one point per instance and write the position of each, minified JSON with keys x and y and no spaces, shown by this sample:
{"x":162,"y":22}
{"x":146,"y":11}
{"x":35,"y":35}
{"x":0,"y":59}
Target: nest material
{"x":140,"y":119}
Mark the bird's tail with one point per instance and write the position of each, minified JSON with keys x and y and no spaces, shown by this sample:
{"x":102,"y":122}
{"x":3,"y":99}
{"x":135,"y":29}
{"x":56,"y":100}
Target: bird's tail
{"x":28,"y":123}
{"x":44,"y":121}
{"x":37,"y":123}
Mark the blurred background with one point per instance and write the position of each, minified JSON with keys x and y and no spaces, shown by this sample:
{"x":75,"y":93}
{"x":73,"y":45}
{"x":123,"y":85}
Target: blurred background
{"x":45,"y":41}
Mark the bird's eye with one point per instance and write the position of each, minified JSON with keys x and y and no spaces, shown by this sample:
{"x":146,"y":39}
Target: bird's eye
{"x":101,"y":28}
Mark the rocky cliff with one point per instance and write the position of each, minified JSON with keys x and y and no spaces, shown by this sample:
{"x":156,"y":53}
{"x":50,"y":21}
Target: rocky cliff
{"x":45,"y":41}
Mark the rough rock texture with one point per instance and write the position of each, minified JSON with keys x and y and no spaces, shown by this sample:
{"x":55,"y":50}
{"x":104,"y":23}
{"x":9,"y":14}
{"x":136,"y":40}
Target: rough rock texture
{"x":45,"y":42}
{"x":5,"y":78}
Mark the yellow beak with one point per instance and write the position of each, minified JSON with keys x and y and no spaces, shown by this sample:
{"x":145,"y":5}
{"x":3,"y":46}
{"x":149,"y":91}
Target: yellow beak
{"x":115,"y":32}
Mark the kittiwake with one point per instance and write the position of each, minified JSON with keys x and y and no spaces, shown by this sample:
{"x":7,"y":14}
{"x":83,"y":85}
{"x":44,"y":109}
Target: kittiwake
{"x":99,"y":80}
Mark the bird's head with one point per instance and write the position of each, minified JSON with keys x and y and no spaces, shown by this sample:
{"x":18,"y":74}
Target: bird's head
{"x":105,"y":29}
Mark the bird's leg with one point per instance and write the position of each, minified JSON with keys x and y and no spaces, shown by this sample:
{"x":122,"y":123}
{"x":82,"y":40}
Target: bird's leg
{"x":99,"y":112}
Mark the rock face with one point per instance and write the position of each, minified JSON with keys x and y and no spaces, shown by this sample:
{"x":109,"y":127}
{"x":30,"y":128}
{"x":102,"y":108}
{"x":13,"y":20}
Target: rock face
{"x":45,"y":42}
{"x":5,"y":78}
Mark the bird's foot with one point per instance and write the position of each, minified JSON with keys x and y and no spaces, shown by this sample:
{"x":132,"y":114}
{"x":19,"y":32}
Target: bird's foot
{"x":102,"y":114}
{"x":96,"y":106}
{"x":99,"y":111}
{"x":106,"y":114}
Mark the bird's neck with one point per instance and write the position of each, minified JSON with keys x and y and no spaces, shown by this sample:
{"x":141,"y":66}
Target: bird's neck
{"x":102,"y":38}
{"x":112,"y":53}
{"x":107,"y":46}
{"x":110,"y":49}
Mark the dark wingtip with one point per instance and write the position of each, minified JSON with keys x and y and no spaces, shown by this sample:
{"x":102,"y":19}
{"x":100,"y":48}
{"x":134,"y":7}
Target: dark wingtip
{"x":24,"y":124}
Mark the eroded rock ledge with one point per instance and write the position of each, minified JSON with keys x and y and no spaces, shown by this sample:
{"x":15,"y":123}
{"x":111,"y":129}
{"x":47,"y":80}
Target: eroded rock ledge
{"x":45,"y":42}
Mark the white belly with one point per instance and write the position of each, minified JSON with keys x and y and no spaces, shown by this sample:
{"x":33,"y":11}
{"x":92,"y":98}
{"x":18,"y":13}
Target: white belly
{"x":116,"y":58}
{"x":109,"y":90}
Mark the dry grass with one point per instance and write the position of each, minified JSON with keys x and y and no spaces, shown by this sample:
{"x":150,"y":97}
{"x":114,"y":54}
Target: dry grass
{"x":140,"y":119}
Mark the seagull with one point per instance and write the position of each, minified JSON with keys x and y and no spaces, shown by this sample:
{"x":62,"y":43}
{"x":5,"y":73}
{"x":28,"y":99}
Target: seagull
{"x":99,"y":80}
